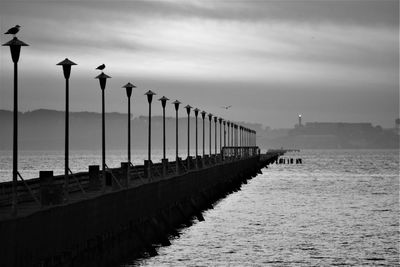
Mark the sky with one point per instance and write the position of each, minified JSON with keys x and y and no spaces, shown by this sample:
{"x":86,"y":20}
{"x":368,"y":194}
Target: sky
{"x":331,"y":61}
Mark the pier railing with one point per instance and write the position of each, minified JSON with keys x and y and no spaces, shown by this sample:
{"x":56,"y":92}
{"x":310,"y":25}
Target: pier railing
{"x":50,"y":190}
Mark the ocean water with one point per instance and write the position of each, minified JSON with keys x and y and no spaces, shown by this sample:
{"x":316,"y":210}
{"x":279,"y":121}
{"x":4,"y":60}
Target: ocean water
{"x":339,"y":208}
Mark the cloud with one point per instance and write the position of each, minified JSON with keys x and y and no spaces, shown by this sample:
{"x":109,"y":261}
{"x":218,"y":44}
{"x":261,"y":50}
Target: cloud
{"x":226,"y":46}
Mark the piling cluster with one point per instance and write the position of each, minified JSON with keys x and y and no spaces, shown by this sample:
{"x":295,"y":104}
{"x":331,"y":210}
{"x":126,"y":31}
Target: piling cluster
{"x":289,"y":161}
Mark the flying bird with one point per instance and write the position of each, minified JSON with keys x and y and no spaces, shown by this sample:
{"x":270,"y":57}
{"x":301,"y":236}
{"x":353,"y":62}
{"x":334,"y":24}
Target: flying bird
{"x":13,"y":30}
{"x":226,"y":107}
{"x":101,"y":67}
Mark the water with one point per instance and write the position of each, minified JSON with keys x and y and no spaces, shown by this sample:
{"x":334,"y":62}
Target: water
{"x":340,"y":207}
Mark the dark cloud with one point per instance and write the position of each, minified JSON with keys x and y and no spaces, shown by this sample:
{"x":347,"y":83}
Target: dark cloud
{"x":358,"y":12}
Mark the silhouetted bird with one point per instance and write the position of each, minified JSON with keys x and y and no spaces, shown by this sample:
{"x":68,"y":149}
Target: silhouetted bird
{"x":101,"y":67}
{"x":227,"y":107}
{"x":13,"y":30}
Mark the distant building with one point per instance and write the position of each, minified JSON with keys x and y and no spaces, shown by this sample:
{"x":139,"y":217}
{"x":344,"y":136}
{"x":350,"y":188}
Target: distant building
{"x":338,"y":135}
{"x":397,"y":126}
{"x":335,"y":128}
{"x":299,"y":125}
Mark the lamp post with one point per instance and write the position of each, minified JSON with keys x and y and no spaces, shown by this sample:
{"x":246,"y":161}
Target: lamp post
{"x":249,"y":137}
{"x":149,"y":95}
{"x":209,"y":118}
{"x":102,"y":80}
{"x":232,"y":134}
{"x":129,"y":88}
{"x":196,"y":114}
{"x":241,"y":141}
{"x":176,"y":104}
{"x":203,"y":115}
{"x":252,"y":138}
{"x":228,"y":123}
{"x":163,"y":104}
{"x":215,"y":136}
{"x":224,"y":122}
{"x":244,"y":136}
{"x":188,"y":108}
{"x":229,"y":150}
{"x":245,"y":141}
{"x":234,"y":138}
{"x":220,"y":135}
{"x":66,"y":65}
{"x":15,"y":49}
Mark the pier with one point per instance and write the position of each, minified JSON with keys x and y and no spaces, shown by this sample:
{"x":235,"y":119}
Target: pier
{"x":99,"y":217}
{"x":98,"y":227}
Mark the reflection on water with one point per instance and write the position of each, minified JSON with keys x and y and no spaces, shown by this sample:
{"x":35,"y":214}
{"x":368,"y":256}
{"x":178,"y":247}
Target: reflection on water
{"x":338,"y":208}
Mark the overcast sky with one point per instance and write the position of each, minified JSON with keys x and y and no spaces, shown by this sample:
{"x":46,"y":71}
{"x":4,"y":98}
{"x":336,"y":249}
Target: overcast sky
{"x":271,"y":60}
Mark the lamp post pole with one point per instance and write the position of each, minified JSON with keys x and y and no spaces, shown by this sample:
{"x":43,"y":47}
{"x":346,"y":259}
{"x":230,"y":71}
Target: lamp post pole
{"x":232,"y":135}
{"x":188,"y":108}
{"x":176,"y":104}
{"x":163,"y":104}
{"x":240,"y":140}
{"x":229,"y":150}
{"x":215,"y":136}
{"x":66,"y":64}
{"x":220,"y":135}
{"x":209,"y":118}
{"x":246,"y":134}
{"x":149,"y":95}
{"x":129,"y":88}
{"x":164,"y":159}
{"x":102,"y":80}
{"x":196,"y":114}
{"x":235,"y":140}
{"x":224,"y":122}
{"x":15,"y":49}
{"x":203,"y":115}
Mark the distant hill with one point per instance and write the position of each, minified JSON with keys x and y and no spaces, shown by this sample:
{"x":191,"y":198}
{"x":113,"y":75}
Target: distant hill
{"x":44,"y":130}
{"x":334,"y":135}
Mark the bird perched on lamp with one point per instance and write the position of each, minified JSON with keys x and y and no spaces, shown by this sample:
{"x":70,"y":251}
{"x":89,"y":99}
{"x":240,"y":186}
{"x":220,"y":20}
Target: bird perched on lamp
{"x":101,"y":67}
{"x":13,"y":30}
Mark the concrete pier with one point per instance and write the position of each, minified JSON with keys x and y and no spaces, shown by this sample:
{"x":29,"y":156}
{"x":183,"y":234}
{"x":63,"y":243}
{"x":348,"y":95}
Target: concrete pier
{"x":95,"y":228}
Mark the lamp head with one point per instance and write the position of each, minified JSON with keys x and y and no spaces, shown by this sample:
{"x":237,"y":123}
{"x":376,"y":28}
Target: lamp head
{"x":176,"y":104}
{"x":163,"y":101}
{"x":129,"y":88}
{"x":150,"y":96}
{"x":102,"y":79}
{"x":188,"y":108}
{"x":66,"y":64}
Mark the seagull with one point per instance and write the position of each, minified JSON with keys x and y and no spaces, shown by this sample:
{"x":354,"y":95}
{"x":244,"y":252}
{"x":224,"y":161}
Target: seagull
{"x":101,"y":67}
{"x":227,"y":107}
{"x":13,"y":30}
